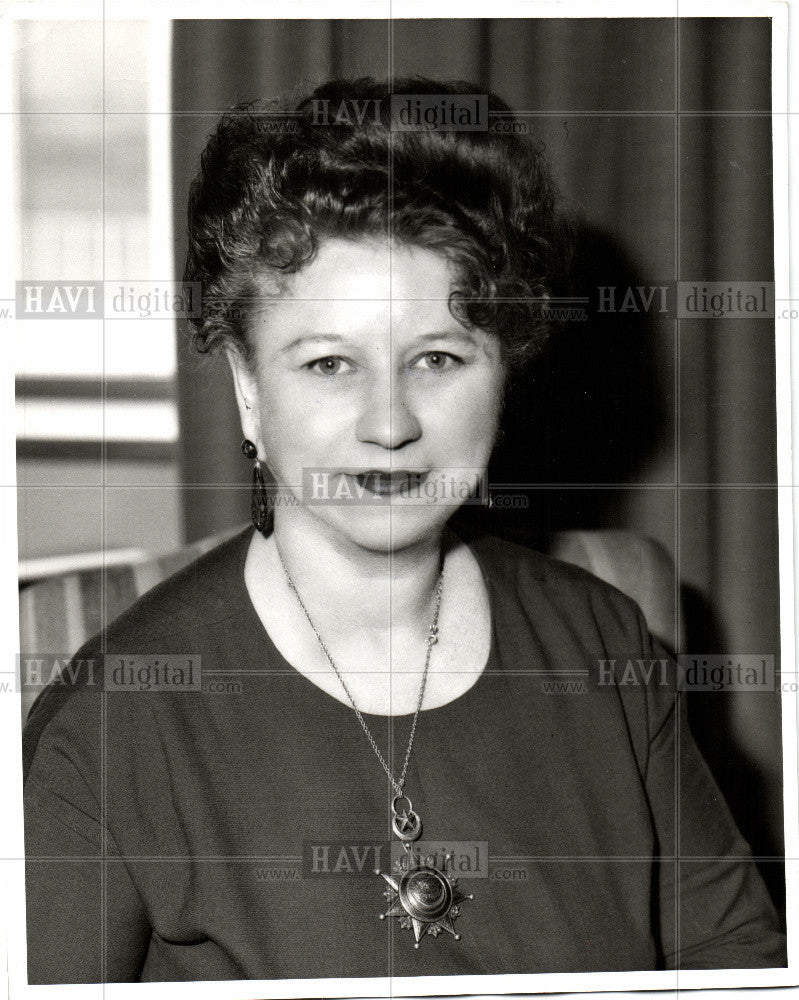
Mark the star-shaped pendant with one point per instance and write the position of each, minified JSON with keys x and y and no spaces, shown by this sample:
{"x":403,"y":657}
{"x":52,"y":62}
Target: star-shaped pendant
{"x":425,"y":900}
{"x":405,"y":823}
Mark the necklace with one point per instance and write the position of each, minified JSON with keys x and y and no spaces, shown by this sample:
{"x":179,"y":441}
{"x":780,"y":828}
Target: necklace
{"x":424,"y":898}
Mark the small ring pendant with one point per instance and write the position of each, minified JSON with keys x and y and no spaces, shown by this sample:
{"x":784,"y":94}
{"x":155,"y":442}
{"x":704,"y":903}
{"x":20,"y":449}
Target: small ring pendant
{"x":406,"y":824}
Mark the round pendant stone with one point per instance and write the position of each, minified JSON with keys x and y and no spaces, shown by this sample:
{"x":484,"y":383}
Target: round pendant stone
{"x":425,"y":893}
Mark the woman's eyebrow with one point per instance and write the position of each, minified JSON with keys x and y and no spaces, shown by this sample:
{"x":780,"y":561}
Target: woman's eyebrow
{"x":309,"y":338}
{"x":462,"y":336}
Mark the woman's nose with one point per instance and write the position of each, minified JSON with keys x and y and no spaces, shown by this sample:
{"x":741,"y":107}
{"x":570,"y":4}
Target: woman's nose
{"x":387,"y":418}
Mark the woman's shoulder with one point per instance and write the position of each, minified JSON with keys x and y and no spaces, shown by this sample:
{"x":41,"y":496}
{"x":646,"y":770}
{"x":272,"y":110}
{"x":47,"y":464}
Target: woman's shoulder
{"x":529,"y":570}
{"x":189,"y":611}
{"x":550,"y":612}
{"x":197,"y":598}
{"x":548,"y":594}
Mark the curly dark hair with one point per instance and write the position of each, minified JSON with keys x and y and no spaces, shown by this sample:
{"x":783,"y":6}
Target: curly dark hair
{"x":273,"y":184}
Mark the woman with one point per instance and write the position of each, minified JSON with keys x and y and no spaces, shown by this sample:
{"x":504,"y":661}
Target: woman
{"x":376,"y":292}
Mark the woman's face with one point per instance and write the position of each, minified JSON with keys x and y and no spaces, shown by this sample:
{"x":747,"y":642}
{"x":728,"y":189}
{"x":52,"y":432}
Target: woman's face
{"x":374,"y":408}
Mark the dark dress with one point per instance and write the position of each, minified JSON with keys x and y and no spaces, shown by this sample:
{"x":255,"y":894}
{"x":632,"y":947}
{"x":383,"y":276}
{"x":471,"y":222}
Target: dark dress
{"x":173,"y":835}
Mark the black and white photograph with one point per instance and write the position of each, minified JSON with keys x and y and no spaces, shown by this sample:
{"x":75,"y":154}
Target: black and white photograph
{"x":399,"y":537}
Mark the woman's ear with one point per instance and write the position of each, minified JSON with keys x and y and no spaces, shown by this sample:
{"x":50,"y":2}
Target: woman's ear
{"x":245,"y":387}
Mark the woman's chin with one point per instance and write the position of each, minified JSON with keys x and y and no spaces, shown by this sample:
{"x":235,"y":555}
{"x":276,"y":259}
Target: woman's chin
{"x":392,"y":526}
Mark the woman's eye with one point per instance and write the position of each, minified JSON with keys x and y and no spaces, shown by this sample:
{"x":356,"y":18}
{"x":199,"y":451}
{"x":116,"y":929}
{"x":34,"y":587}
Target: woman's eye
{"x":329,"y":366}
{"x":438,"y":361}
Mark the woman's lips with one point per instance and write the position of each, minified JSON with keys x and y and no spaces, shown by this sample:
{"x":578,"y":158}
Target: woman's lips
{"x":383,"y":483}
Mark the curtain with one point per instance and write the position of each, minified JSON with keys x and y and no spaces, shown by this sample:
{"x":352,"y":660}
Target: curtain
{"x":659,"y":134}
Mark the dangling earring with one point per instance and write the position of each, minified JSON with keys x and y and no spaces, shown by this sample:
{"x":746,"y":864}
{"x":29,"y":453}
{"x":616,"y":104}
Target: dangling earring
{"x":260,"y":503}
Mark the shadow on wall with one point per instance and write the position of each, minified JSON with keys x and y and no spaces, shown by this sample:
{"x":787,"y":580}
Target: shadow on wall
{"x":592,"y":409}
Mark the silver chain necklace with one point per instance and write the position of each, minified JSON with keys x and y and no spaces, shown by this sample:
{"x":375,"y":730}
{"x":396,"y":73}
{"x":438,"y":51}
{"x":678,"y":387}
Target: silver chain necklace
{"x":423,"y":897}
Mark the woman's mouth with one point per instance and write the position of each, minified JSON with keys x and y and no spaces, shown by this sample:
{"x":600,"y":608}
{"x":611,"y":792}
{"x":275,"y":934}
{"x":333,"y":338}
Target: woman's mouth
{"x":386,"y":483}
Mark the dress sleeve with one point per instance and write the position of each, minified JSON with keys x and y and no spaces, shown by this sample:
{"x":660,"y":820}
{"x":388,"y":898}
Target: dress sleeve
{"x":85,"y":920}
{"x":714,"y":911}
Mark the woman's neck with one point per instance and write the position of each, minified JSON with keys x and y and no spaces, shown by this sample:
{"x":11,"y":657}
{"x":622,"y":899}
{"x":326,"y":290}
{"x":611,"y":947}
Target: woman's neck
{"x":350,"y":587}
{"x":373,"y":613}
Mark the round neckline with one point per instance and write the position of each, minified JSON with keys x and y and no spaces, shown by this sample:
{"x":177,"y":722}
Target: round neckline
{"x":289,"y":667}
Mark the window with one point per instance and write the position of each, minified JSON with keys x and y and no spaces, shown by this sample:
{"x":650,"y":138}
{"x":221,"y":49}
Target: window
{"x":96,"y":401}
